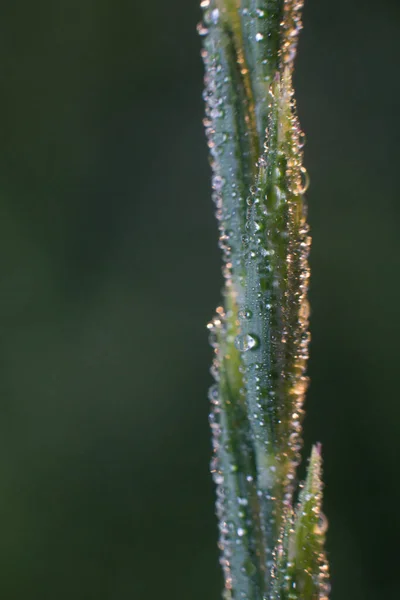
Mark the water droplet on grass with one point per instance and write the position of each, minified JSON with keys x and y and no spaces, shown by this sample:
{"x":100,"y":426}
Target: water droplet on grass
{"x":245,"y":313}
{"x":215,"y":16}
{"x":305,"y":181}
{"x":213,"y":394}
{"x":246,"y":342}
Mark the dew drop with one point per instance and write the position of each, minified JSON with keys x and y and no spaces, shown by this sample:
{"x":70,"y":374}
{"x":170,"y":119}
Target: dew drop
{"x":302,"y":139}
{"x":245,"y":313}
{"x":322,"y":525}
{"x":246,"y":342}
{"x":201,"y":30}
{"x":214,"y":370}
{"x":218,"y":478}
{"x":218,"y":182}
{"x":215,"y":15}
{"x":305,"y":181}
{"x":259,"y":37}
{"x":213,"y":394}
{"x":254,"y":189}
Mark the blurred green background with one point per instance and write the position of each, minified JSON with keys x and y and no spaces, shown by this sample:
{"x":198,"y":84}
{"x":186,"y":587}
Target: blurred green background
{"x":110,"y":271}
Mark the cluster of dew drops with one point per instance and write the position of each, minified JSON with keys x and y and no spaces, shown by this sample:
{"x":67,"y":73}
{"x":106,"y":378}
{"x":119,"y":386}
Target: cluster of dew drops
{"x":260,"y":249}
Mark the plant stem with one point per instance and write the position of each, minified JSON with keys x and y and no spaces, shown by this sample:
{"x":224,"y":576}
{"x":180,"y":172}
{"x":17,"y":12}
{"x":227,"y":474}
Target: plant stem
{"x":260,"y":334}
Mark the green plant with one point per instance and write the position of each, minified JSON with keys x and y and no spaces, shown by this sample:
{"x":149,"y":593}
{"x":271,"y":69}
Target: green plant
{"x":271,"y":546}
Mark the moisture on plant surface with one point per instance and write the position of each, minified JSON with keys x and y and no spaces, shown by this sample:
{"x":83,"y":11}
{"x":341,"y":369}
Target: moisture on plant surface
{"x":271,"y":528}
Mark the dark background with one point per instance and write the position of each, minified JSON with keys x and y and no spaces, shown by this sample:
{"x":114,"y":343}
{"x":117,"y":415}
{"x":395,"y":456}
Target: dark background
{"x":110,"y":270}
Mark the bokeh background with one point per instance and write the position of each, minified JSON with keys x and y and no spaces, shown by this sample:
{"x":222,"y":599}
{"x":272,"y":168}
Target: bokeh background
{"x":110,"y":270}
